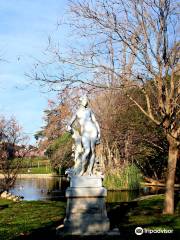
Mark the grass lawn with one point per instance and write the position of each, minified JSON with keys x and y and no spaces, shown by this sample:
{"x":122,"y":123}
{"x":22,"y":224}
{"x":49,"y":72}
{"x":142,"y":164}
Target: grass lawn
{"x":30,"y":218}
{"x":37,"y":170}
{"x":38,"y":219}
{"x":147,"y":214}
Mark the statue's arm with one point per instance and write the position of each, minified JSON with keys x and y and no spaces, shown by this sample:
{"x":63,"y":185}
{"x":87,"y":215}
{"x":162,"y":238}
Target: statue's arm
{"x":96,"y":123}
{"x":69,"y":126}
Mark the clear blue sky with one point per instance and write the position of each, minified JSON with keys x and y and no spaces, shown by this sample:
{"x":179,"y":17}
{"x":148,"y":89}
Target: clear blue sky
{"x":24,"y":29}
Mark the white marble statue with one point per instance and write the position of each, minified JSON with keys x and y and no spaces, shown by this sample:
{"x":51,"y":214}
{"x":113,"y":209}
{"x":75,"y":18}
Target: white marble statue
{"x":90,"y":135}
{"x":77,"y":150}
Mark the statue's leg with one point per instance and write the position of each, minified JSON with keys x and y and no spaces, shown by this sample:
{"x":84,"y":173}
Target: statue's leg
{"x":86,"y":146}
{"x":92,"y":159}
{"x":76,"y":154}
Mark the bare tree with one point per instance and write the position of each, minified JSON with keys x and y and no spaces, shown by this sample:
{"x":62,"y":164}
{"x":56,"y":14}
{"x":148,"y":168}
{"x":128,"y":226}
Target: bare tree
{"x":10,"y":137}
{"x":127,"y":44}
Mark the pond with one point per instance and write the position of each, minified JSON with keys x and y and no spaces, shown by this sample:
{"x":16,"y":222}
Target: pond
{"x":54,"y":189}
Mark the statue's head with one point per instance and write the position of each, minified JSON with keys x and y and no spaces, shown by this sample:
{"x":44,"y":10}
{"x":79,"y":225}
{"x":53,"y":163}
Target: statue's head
{"x":83,"y":100}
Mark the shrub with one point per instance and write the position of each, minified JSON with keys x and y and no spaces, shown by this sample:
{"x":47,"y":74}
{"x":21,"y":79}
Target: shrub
{"x":128,"y":177}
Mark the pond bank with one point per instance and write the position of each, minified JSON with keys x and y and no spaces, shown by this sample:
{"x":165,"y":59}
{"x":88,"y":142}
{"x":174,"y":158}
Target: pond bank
{"x":51,"y":175}
{"x":31,"y":175}
{"x":157,"y":184}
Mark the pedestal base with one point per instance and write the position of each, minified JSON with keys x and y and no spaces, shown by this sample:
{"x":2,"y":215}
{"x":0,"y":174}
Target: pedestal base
{"x":86,"y":211}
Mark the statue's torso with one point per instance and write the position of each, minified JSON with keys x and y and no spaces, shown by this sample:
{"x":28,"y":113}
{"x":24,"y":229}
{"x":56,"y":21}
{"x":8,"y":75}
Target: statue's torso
{"x":85,"y":120}
{"x":84,"y":114}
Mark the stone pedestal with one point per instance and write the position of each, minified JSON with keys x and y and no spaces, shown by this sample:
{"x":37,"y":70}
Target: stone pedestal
{"x":86,"y":211}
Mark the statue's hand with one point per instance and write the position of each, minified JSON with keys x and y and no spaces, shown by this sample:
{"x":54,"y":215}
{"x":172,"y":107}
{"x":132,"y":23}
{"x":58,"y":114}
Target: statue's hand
{"x":69,"y":128}
{"x":98,"y":140}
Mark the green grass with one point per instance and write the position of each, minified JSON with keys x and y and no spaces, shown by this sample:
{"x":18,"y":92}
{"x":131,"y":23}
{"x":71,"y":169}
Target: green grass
{"x":24,"y":218}
{"x":41,"y":170}
{"x":32,"y":162}
{"x":37,"y":165}
{"x":147,"y":214}
{"x":38,"y":219}
{"x":37,"y":170}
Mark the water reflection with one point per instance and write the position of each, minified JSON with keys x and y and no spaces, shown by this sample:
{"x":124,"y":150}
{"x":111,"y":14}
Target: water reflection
{"x":40,"y":188}
{"x":122,"y":196}
{"x":54,"y":189}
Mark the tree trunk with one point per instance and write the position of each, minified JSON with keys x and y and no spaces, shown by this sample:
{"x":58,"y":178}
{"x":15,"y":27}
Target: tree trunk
{"x":170,"y":181}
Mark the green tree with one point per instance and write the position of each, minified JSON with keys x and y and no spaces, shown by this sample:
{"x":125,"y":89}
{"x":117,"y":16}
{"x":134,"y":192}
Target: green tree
{"x":60,"y":152}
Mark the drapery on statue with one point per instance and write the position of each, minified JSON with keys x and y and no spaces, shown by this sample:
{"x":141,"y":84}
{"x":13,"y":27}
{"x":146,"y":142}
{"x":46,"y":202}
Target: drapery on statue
{"x":85,"y":142}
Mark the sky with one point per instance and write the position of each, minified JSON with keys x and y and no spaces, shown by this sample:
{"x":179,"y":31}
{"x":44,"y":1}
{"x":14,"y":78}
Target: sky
{"x":24,"y":29}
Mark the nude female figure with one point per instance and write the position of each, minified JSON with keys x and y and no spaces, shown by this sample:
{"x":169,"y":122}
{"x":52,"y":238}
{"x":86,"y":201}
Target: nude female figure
{"x":90,"y":133}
